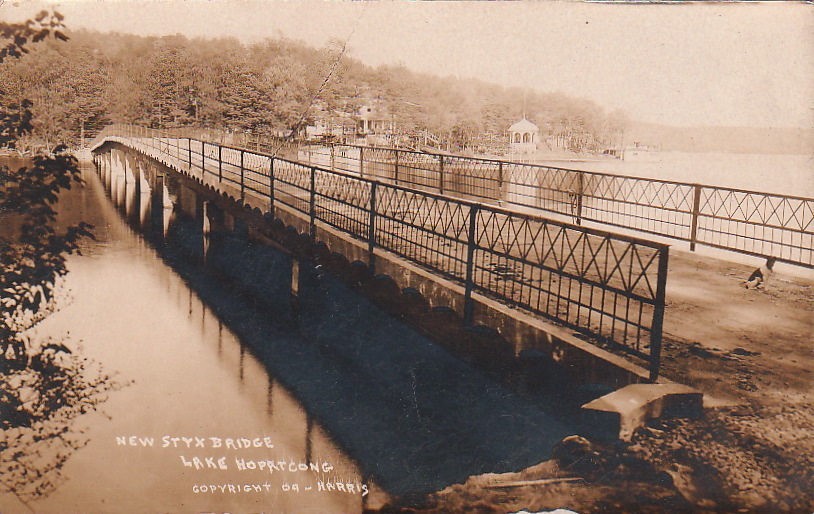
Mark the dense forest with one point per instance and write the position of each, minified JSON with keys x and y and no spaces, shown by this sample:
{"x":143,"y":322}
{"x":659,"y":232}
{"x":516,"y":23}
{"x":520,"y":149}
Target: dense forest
{"x":275,"y":86}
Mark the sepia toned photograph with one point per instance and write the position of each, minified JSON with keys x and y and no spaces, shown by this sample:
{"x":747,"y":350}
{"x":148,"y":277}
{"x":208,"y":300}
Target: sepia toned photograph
{"x":266,"y":256}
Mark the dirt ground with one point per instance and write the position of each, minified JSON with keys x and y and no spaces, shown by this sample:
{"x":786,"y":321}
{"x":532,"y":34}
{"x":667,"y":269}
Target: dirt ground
{"x":751,"y":352}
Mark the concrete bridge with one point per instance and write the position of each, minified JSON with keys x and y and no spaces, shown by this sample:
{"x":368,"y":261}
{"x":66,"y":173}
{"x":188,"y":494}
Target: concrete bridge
{"x":494,"y":268}
{"x":590,"y":301}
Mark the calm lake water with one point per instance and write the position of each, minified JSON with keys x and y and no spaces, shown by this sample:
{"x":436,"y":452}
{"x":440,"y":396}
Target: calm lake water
{"x":191,"y":377}
{"x":789,"y":174}
{"x":353,"y":397}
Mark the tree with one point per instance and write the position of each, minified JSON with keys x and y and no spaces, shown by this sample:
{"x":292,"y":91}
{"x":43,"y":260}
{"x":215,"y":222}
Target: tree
{"x":86,"y":82}
{"x":33,"y":257}
{"x":496,"y":118}
{"x":286,"y":81}
{"x":246,"y":100}
{"x":167,"y":82}
{"x":464,"y":133}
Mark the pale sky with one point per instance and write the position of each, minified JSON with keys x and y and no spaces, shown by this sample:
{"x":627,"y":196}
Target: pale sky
{"x":741,"y":64}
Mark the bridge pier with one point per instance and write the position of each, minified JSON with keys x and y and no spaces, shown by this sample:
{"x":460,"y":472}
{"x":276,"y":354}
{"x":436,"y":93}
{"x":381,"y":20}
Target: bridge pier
{"x":100,"y":159}
{"x":117,"y":181}
{"x":295,"y":290}
{"x":167,"y":204}
{"x":188,"y":203}
{"x":157,"y":208}
{"x":130,"y":192}
{"x":161,"y":206}
{"x":211,"y":220}
{"x":108,"y":169}
{"x":144,"y":193}
{"x":206,"y":228}
{"x":104,"y":166}
{"x":113,"y":162}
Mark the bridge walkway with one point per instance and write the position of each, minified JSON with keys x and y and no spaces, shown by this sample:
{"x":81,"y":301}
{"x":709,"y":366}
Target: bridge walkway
{"x":607,"y":287}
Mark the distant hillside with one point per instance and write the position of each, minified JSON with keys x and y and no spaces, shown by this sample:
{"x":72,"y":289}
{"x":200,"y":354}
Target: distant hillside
{"x":273,"y":86}
{"x":772,"y":140}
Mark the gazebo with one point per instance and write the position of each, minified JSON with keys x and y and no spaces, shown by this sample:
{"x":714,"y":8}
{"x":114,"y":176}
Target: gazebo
{"x":524,"y":136}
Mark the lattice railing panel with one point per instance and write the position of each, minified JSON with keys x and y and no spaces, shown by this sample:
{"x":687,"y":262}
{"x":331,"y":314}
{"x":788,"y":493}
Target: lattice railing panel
{"x":758,"y":223}
{"x":257,"y":173}
{"x":472,"y":178}
{"x":666,"y":195}
{"x":593,"y":282}
{"x":292,"y":185}
{"x":429,"y":230}
{"x":343,"y":202}
{"x":615,"y":263}
{"x":419,"y":170}
{"x":379,"y":163}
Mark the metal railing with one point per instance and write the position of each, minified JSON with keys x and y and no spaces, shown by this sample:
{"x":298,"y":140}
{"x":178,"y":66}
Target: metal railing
{"x":606,"y":286}
{"x":748,"y":222}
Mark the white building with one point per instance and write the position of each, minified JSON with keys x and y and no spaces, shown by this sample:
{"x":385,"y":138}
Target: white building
{"x":524,"y":136}
{"x":374,"y":120}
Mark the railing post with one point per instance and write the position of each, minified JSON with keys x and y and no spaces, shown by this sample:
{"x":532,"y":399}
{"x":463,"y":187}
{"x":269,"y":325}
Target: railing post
{"x":580,"y":188}
{"x":189,"y":152}
{"x":220,"y":164}
{"x":313,"y":204}
{"x":396,"y":169}
{"x":333,"y":156}
{"x":241,"y":177}
{"x":500,"y":182}
{"x":696,"y":210}
{"x":441,"y":174}
{"x":470,"y":265}
{"x":658,"y":314}
{"x":271,"y":186}
{"x":361,"y":161}
{"x":203,"y":162}
{"x":371,"y":229}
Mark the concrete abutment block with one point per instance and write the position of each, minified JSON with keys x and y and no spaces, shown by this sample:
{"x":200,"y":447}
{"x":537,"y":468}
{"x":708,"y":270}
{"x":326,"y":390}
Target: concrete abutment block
{"x":617,"y":415}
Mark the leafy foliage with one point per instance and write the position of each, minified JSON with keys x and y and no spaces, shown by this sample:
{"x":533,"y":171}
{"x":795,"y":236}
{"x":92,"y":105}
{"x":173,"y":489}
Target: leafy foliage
{"x":32,"y":253}
{"x":16,"y":116}
{"x":41,"y":389}
{"x":18,"y":35}
{"x":37,"y":408}
{"x":32,"y":261}
{"x":273,"y":86}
